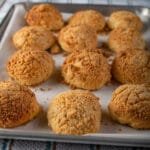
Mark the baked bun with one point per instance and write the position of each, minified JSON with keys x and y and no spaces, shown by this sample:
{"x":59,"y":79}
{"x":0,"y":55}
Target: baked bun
{"x":86,"y":69}
{"x":132,"y":67}
{"x":77,"y":37}
{"x":121,"y":39}
{"x":89,"y":17}
{"x":18,"y":104}
{"x":130,"y":104}
{"x":30,"y":67}
{"x":45,"y":15}
{"x":124,"y":19}
{"x":33,"y":37}
{"x":74,"y":112}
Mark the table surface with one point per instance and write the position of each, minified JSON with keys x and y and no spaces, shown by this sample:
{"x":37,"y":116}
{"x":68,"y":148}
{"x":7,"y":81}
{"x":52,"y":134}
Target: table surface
{"x":38,"y":145}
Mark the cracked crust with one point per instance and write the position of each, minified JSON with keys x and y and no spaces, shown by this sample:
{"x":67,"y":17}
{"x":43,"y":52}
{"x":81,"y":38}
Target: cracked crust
{"x":77,"y":37}
{"x":18,"y":104}
{"x":35,"y":37}
{"x":74,"y":112}
{"x":92,"y":18}
{"x":130,"y":104}
{"x":132,"y":67}
{"x":124,"y":19}
{"x":46,"y":15}
{"x":86,"y":69}
{"x":125,"y":40}
{"x":30,"y":67}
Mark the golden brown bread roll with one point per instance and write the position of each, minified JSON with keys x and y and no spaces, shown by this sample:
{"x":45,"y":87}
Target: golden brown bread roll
{"x":124,"y":19}
{"x":74,"y":112}
{"x":121,"y":39}
{"x":77,"y":37}
{"x":87,"y":69}
{"x":33,"y":37}
{"x":130,"y":104}
{"x":90,"y":17}
{"x":30,"y":67}
{"x":132,"y":67}
{"x":18,"y":104}
{"x":46,"y":15}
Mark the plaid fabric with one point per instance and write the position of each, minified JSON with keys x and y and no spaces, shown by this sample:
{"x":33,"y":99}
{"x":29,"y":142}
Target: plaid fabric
{"x":38,"y":145}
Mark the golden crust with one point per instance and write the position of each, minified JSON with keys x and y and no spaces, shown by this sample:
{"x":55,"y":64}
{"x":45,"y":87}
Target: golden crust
{"x":45,"y":15}
{"x":125,"y":39}
{"x":18,"y":104}
{"x":33,"y":37}
{"x":132,"y":67}
{"x":86,"y":69}
{"x":77,"y":37}
{"x":30,"y":67}
{"x":124,"y":19}
{"x":92,"y":18}
{"x":130,"y":105}
{"x":74,"y":112}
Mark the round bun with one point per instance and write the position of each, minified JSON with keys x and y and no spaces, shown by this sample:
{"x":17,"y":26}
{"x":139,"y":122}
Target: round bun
{"x":30,"y":67}
{"x":130,"y":105}
{"x":86,"y":69}
{"x":45,"y":15}
{"x":18,"y":104}
{"x":77,"y":37}
{"x":74,"y":112}
{"x":132,"y":67}
{"x":125,"y":39}
{"x":124,"y":19}
{"x":33,"y":37}
{"x":92,"y":18}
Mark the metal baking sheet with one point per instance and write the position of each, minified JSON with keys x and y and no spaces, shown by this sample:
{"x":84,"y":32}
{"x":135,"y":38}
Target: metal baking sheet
{"x":111,"y":132}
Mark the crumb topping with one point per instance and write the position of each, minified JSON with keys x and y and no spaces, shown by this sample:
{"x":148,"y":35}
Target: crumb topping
{"x":130,"y":104}
{"x":45,"y":15}
{"x":17,"y":104}
{"x":30,"y":67}
{"x":87,"y":69}
{"x":74,"y":112}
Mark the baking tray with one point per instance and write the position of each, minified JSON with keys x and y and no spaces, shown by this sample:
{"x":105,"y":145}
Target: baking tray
{"x":108,"y":136}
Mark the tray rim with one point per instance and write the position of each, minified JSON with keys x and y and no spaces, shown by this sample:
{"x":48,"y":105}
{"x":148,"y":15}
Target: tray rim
{"x":129,"y":139}
{"x":107,"y":139}
{"x":25,"y":4}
